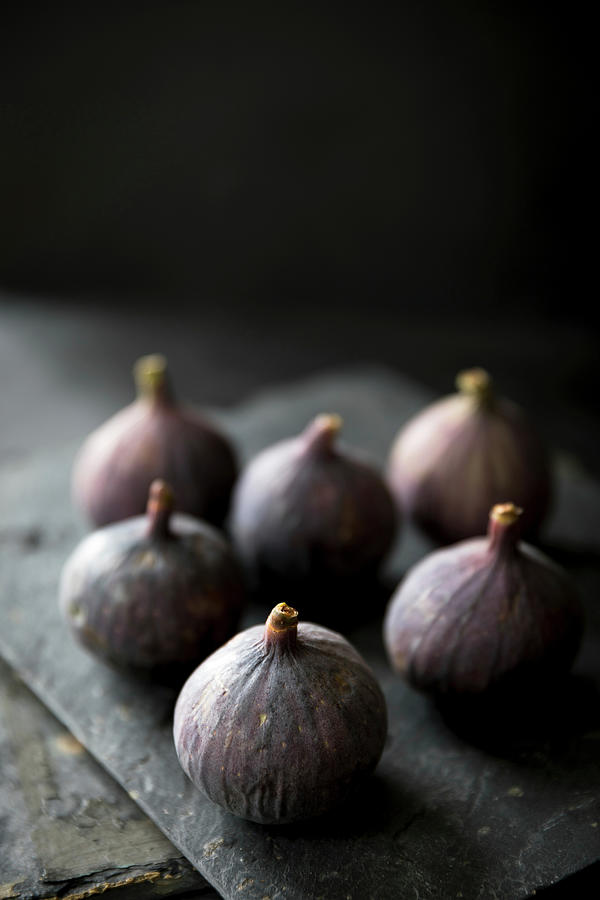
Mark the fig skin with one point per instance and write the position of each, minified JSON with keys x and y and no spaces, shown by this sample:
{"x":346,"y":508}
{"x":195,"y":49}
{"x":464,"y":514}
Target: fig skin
{"x":462,"y":454}
{"x":310,"y":520}
{"x":154,"y":593}
{"x":488,"y":613}
{"x":282,"y":722}
{"x":154,"y":437}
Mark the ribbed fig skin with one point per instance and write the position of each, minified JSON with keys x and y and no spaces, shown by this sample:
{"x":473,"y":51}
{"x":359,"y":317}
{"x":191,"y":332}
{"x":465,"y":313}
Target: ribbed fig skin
{"x":483,"y":614}
{"x":141,"y":602}
{"x":152,"y":438}
{"x":458,"y":457}
{"x":309,"y":519}
{"x":277,"y":734}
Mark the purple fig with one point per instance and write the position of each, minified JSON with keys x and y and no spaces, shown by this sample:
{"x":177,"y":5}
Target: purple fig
{"x":488,"y":612}
{"x":152,"y":438}
{"x":310,"y":518}
{"x":156,"y":592}
{"x":458,"y":457}
{"x":280,"y":723}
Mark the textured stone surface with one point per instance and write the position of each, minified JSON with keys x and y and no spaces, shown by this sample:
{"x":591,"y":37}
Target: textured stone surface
{"x":453,"y":810}
{"x":66,"y":824}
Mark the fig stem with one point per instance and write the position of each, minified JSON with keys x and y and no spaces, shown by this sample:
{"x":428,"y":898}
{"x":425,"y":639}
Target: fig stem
{"x":504,"y":526}
{"x":321,"y":433}
{"x":152,"y":379}
{"x":282,"y":627}
{"x":476,"y":383}
{"x":160,"y":506}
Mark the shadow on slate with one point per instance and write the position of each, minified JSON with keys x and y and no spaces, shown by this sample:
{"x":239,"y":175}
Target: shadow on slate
{"x":444,"y":815}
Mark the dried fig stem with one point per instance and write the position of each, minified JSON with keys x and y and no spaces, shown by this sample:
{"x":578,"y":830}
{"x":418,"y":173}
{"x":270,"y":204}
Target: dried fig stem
{"x":322,"y":432}
{"x":152,"y":379}
{"x":504,"y":526}
{"x":476,"y":383}
{"x":282,"y":626}
{"x":159,"y":509}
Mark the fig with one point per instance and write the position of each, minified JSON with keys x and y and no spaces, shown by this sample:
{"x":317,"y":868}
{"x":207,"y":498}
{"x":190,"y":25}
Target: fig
{"x":157,"y":592}
{"x":280,"y":723}
{"x":462,"y":454}
{"x":309,"y":518}
{"x":152,"y":438}
{"x":486,"y":613}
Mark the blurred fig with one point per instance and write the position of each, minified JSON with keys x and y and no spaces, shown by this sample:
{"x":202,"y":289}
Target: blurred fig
{"x":462,"y":454}
{"x":157,"y":592}
{"x":152,"y":438}
{"x":309,"y":518}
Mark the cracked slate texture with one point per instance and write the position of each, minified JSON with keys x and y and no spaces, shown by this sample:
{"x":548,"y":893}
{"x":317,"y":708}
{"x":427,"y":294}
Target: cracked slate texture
{"x":66,"y":826}
{"x":452,"y":811}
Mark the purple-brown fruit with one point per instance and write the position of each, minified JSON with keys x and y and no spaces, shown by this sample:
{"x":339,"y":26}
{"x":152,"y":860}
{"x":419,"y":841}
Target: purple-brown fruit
{"x":309,"y":518}
{"x":462,"y":454}
{"x":154,"y":437}
{"x":154,"y":592}
{"x":280,"y":723}
{"x":489,"y":612}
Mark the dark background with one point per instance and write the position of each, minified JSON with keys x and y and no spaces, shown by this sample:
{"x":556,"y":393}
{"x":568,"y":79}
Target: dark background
{"x":431,"y":151}
{"x":262,"y":190}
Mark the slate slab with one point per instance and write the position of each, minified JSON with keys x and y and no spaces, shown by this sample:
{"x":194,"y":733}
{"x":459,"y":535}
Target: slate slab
{"x":452,"y":811}
{"x":66,"y":826}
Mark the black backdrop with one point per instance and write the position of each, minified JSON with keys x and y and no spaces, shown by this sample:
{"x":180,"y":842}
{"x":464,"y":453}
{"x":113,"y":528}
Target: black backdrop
{"x":415,"y":152}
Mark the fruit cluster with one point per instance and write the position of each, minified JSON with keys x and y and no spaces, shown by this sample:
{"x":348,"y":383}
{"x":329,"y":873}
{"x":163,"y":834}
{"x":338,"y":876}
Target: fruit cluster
{"x":276,"y":723}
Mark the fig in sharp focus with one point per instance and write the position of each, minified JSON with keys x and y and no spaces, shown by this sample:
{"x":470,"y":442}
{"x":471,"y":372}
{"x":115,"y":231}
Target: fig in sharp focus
{"x":309,"y":518}
{"x":462,"y":454}
{"x":489,"y":612}
{"x":156,"y":592}
{"x":281,"y":722}
{"x":154,"y":437}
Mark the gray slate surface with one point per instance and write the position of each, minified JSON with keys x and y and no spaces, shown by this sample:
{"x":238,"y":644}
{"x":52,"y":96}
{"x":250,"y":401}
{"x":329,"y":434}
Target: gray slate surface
{"x":443,"y":816}
{"x":66,"y":825}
